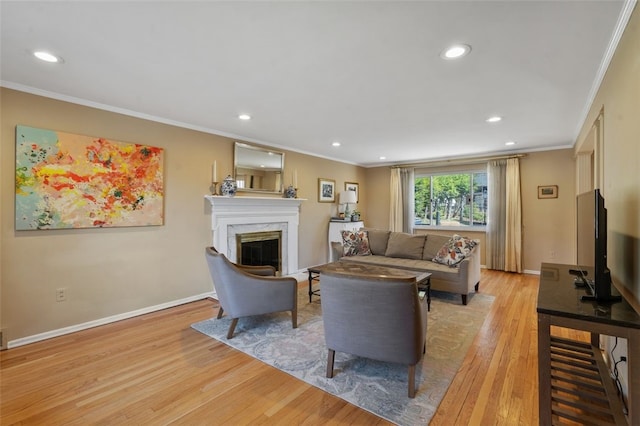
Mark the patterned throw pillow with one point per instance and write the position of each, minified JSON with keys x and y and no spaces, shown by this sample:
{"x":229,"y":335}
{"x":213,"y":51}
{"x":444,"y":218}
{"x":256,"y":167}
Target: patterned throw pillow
{"x":455,"y":250}
{"x":356,"y":243}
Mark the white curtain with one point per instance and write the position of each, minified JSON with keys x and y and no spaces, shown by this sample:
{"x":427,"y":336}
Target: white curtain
{"x":401,"y":200}
{"x":504,"y":224}
{"x":513,"y":232}
{"x":496,"y":220}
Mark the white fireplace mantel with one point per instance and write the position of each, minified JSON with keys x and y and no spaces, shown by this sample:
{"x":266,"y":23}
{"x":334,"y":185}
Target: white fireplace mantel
{"x":230,"y":215}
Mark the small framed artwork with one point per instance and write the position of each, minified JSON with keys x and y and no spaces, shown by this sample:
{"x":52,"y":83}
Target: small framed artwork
{"x":548,"y":191}
{"x":326,"y":190}
{"x":352,"y":186}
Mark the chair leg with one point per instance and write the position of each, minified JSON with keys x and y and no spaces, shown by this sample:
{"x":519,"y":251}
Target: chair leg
{"x":477,"y":286}
{"x":294,"y":317}
{"x":464,"y":299}
{"x":330,"y":358}
{"x":294,"y":311}
{"x":232,"y":327}
{"x":220,"y":312}
{"x":412,"y":381}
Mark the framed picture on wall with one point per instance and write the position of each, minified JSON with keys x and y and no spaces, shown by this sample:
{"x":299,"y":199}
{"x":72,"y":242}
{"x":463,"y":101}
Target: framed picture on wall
{"x":352,"y":186}
{"x":326,"y":190}
{"x":66,"y":181}
{"x":548,"y":191}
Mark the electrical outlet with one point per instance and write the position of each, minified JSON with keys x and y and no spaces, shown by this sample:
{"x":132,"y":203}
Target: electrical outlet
{"x":552,"y":254}
{"x":61,"y":294}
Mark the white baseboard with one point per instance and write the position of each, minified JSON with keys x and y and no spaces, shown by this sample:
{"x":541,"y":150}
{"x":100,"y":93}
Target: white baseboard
{"x":102,"y":321}
{"x":532,"y":272}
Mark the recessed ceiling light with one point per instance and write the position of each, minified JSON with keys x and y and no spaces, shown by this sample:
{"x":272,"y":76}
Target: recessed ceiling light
{"x":335,"y":144}
{"x":456,"y":51}
{"x":383,"y":158}
{"x":494,"y":119}
{"x":47,"y":57}
{"x":244,"y":117}
{"x":510,"y":143}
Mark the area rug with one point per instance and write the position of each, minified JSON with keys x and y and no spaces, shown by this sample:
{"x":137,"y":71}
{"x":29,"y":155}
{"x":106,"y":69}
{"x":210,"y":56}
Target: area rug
{"x":378,"y":387}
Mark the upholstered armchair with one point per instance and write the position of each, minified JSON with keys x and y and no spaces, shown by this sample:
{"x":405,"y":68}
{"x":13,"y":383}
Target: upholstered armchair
{"x":378,"y":317}
{"x":250,"y":290}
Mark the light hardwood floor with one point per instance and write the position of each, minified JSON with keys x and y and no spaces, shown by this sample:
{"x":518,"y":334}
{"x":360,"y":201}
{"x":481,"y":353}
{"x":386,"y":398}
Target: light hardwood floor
{"x":154,"y":369}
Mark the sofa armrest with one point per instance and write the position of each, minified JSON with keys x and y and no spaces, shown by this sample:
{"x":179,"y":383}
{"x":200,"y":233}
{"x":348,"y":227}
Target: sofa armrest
{"x":337,"y":250}
{"x":470,"y":269}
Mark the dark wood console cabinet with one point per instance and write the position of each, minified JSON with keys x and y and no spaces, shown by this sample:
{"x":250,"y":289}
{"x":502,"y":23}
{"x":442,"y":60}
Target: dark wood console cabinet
{"x":574,"y":381}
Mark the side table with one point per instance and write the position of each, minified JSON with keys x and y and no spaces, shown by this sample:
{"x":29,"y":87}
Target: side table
{"x":564,"y":364}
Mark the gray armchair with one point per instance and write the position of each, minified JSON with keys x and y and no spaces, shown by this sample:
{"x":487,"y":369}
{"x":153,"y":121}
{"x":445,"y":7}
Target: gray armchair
{"x":377,"y":317}
{"x":250,"y":290}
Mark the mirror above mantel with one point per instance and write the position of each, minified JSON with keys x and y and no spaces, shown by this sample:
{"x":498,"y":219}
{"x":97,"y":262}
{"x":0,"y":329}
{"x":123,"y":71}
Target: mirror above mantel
{"x":258,"y":169}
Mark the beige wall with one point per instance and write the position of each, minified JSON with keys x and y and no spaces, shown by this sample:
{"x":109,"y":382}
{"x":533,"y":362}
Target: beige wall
{"x":106,"y":271}
{"x":378,"y":197}
{"x":111,"y":272}
{"x":619,"y":97}
{"x":548,"y":224}
{"x":315,"y":216}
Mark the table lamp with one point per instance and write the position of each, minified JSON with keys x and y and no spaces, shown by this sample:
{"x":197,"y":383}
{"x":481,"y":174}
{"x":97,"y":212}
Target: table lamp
{"x":348,"y":197}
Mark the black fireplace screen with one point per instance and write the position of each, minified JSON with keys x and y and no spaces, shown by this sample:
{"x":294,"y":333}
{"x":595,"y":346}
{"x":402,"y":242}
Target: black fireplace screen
{"x":260,"y":248}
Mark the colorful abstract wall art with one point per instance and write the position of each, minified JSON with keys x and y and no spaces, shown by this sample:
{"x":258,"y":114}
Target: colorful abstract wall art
{"x":65,"y":180}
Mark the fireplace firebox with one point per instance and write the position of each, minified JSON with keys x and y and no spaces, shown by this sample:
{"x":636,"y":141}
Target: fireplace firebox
{"x":260,"y":248}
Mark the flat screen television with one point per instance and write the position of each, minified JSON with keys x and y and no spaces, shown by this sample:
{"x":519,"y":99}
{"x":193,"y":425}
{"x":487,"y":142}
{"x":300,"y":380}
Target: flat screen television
{"x":592,"y":246}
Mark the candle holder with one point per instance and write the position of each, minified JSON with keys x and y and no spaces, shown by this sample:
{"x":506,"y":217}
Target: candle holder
{"x":214,"y":188}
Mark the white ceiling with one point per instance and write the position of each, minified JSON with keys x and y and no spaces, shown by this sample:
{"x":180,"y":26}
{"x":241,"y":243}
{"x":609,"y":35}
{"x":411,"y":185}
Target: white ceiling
{"x":367,"y":74}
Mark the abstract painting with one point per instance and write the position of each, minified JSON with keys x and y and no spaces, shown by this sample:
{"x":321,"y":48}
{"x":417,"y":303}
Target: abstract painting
{"x":65,"y":180}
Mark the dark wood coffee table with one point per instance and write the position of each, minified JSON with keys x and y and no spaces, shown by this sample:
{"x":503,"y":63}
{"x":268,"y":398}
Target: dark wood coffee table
{"x":423,"y":279}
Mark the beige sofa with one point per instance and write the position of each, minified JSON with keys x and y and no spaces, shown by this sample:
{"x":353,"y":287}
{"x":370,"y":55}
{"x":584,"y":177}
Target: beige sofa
{"x":415,"y":252}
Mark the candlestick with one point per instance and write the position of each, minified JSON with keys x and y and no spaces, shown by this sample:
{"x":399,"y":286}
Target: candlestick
{"x":214,"y":173}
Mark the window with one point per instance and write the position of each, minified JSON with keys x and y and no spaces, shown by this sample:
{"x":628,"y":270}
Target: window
{"x":451,"y":200}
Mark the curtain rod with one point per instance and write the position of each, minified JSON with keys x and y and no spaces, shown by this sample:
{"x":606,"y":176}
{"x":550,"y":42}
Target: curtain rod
{"x":455,"y":162}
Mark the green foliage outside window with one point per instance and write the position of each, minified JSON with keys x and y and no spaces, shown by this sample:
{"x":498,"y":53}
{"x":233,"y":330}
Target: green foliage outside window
{"x":451,"y":200}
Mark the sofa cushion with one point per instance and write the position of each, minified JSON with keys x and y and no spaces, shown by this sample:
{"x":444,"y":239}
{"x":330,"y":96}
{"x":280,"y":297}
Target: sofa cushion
{"x":378,"y":240}
{"x":407,"y":246}
{"x":455,"y":250}
{"x":433,"y":244}
{"x":356,"y":243}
